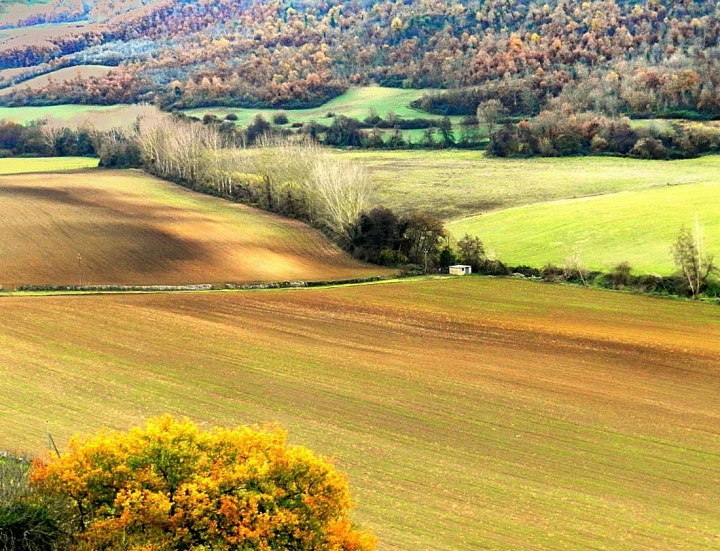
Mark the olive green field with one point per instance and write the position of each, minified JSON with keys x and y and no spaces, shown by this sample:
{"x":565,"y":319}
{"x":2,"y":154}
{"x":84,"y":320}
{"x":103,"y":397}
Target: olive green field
{"x":356,"y":103}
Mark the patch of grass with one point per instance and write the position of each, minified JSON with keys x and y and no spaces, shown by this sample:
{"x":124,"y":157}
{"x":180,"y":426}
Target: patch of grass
{"x":48,"y":164}
{"x":66,"y":73}
{"x":638,"y":227}
{"x":469,"y":413}
{"x":453,"y":184}
{"x":356,"y":103}
{"x":102,"y":117}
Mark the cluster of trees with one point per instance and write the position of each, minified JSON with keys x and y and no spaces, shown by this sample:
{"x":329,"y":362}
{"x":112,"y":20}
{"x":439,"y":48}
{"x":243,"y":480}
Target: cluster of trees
{"x":605,"y":55}
{"x":562,"y":132}
{"x":418,"y":242}
{"x":46,"y":139}
{"x":293,"y":178}
{"x":373,"y":132}
{"x":171,"y":486}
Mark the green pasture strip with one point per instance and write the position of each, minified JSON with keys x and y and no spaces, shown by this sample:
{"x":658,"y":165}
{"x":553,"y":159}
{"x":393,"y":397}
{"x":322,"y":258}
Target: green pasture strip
{"x":638,"y":227}
{"x":99,"y":116}
{"x":452,"y":184}
{"x":356,"y":103}
{"x":455,"y":432}
{"x":45,"y":164}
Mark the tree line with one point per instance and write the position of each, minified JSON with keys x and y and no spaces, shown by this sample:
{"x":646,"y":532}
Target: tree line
{"x":563,"y":132}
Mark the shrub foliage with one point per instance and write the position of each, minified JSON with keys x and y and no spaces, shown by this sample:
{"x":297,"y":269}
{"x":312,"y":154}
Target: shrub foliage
{"x":171,"y":486}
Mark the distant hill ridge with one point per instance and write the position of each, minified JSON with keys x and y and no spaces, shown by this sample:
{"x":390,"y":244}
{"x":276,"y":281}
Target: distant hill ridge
{"x":608,"y":55}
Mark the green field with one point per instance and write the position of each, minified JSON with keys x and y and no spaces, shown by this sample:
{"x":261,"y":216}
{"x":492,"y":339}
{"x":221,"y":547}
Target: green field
{"x":357,"y":103}
{"x":638,"y":227}
{"x":455,"y":184}
{"x":469,"y":413}
{"x":53,"y":164}
{"x":102,"y":117}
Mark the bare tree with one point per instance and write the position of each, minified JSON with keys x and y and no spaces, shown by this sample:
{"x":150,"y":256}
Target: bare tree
{"x":574,"y":269}
{"x":178,"y":149}
{"x":52,"y":130}
{"x":339,"y":192}
{"x":489,"y":113}
{"x":689,"y":255}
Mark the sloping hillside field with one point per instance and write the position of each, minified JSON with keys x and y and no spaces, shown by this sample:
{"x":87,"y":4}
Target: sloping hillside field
{"x":469,"y":413}
{"x":638,"y":227}
{"x":455,"y":184}
{"x":124,"y":227}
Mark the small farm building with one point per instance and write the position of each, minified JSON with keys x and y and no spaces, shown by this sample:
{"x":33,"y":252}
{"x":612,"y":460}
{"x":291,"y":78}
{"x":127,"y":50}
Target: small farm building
{"x":460,"y":269}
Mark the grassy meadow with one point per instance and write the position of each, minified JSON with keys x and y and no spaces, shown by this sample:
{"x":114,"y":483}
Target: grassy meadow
{"x":124,"y":227}
{"x":638,"y":227}
{"x":454,"y":184}
{"x":20,"y":165}
{"x":102,"y":117}
{"x":469,"y":413}
{"x":356,"y":103}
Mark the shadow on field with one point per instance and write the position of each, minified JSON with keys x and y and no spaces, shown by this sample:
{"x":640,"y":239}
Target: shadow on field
{"x":114,"y":237}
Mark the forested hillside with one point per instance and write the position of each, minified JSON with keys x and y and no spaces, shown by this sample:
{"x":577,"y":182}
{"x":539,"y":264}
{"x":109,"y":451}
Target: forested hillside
{"x":615,"y":56}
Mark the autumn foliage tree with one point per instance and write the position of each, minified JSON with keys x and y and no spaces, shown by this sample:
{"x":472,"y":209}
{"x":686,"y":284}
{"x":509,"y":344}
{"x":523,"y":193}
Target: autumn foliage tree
{"x":171,"y":486}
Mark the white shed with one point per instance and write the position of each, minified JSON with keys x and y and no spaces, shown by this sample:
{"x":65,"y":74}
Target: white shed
{"x":460,"y":269}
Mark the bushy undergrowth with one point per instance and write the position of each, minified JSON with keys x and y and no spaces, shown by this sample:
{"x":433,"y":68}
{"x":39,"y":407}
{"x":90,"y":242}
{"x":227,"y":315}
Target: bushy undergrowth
{"x":28,"y":521}
{"x":619,"y":278}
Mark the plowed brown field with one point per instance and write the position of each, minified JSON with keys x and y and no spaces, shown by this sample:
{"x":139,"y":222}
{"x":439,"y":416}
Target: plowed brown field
{"x":469,"y":413}
{"x":124,"y":227}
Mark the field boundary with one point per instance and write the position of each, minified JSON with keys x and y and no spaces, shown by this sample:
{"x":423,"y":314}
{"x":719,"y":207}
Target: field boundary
{"x":24,"y":288}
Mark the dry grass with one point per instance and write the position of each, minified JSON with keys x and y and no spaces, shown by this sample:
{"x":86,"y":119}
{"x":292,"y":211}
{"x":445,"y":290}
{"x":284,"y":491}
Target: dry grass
{"x":469,"y":414}
{"x":457,"y":184}
{"x":124,"y":227}
{"x":68,"y":73}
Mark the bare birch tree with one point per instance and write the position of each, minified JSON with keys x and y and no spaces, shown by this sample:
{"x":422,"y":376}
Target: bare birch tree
{"x":339,"y":192}
{"x":689,"y":255}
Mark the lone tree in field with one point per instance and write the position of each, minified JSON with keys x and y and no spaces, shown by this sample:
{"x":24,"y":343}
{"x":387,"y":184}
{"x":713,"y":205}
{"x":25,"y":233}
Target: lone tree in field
{"x":171,"y":486}
{"x":695,"y":264}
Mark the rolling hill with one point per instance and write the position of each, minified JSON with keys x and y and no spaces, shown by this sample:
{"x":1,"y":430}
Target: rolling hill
{"x":638,"y":227}
{"x":468,"y":413}
{"x":124,"y":227}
